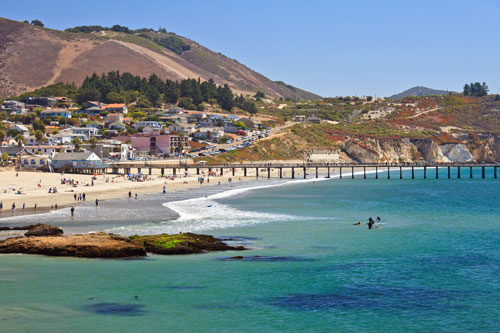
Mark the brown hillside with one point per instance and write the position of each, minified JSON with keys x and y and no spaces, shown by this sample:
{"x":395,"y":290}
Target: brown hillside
{"x":32,"y":57}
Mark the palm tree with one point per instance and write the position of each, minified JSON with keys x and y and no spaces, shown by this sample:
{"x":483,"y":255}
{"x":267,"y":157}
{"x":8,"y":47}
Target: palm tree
{"x":93,"y":142}
{"x":76,"y":142}
{"x":20,"y":140}
{"x":39,"y":137}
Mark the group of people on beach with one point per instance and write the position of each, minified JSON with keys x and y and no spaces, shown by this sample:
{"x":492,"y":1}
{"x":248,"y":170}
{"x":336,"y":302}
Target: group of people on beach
{"x":371,"y":222}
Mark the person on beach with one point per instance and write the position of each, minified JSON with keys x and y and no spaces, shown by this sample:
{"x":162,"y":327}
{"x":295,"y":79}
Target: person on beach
{"x":56,"y":206}
{"x":72,"y":211}
{"x":83,"y":196}
{"x":13,"y":207}
{"x":97,"y":202}
{"x":74,"y":196}
{"x":136,"y":196}
{"x":24,"y":205}
{"x":1,"y":205}
{"x":164,"y":190}
{"x":34,"y":207}
{"x":129,"y":194}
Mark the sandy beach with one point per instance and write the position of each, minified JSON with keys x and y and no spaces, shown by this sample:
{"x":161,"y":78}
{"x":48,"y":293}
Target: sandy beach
{"x":30,"y":188}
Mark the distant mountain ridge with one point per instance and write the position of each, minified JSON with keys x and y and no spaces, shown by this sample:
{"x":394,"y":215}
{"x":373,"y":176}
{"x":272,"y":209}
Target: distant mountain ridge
{"x":420,"y":91}
{"x":32,"y":57}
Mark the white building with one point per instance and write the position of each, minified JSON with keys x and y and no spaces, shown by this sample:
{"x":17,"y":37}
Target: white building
{"x":88,"y":132}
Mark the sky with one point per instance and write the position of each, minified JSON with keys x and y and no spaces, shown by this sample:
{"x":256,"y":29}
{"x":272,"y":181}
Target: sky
{"x":332,"y":48}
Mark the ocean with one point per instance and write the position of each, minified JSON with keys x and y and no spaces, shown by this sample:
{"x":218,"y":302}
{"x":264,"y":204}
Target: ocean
{"x":433,"y":263}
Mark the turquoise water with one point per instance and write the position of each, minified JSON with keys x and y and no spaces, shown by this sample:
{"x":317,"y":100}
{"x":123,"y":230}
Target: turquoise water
{"x":432,"y":265}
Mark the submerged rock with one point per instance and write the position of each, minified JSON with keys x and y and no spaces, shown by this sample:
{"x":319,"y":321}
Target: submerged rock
{"x":95,"y":245}
{"x":187,"y":243}
{"x":44,"y":230}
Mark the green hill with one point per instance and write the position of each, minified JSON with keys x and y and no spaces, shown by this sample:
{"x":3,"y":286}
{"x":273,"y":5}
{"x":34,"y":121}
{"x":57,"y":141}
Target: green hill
{"x":420,"y":91}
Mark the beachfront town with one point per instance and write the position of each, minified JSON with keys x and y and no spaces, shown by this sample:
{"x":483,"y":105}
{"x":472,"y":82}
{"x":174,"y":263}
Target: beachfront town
{"x":52,"y":133}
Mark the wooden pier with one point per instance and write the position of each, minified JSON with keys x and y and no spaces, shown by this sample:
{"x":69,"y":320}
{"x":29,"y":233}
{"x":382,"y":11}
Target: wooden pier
{"x":279,"y":168}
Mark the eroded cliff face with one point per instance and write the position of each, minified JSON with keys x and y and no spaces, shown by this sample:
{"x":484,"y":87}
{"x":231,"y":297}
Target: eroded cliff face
{"x":466,"y":148}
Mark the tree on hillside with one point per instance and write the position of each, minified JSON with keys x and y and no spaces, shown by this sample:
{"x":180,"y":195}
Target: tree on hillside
{"x":476,"y":89}
{"x":2,"y":135}
{"x":497,"y":98}
{"x":225,"y":97}
{"x":37,"y":23}
{"x":259,"y":95}
{"x":38,"y":125}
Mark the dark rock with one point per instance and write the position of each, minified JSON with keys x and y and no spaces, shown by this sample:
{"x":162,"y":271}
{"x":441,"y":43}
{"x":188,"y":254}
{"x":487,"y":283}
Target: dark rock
{"x":44,"y":230}
{"x":4,"y":228}
{"x":186,"y":243}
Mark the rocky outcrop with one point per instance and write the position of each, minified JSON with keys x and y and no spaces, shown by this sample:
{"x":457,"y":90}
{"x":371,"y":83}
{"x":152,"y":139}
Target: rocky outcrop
{"x":370,"y":150}
{"x":96,"y":245}
{"x":44,"y":230}
{"x":187,"y":243}
{"x":456,"y":152}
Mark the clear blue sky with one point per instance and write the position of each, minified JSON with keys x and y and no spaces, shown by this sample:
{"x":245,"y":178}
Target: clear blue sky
{"x":332,"y":48}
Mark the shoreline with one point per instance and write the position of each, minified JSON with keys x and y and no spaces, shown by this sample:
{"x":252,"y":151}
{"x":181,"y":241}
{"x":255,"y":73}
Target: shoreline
{"x":153,"y":187}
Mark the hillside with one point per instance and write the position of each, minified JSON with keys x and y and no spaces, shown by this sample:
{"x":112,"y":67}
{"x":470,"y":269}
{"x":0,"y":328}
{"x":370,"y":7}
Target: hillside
{"x":420,"y":91}
{"x":32,"y":57}
{"x":433,"y":128}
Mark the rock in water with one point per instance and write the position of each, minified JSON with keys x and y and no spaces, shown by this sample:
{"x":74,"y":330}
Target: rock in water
{"x":44,"y":230}
{"x":96,"y":245}
{"x":187,"y":243}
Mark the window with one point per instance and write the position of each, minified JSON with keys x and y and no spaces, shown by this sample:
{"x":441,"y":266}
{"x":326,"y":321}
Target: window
{"x":33,"y":162}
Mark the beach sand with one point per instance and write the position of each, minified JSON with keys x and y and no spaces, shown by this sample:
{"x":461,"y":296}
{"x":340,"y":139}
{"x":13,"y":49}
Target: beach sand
{"x":34,"y":187}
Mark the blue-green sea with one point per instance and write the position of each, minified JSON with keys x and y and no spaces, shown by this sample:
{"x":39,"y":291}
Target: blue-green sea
{"x":432,"y":265}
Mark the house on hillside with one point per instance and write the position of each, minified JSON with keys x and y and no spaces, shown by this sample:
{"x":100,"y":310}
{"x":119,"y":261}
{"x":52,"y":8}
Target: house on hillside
{"x":86,"y":132}
{"x":94,"y":124}
{"x":314,"y":119}
{"x":148,"y":123}
{"x":22,"y":129}
{"x":76,"y":160}
{"x":299,"y":118}
{"x":116,"y":107}
{"x":40,"y":101}
{"x":14,"y":107}
{"x":209,"y":133}
{"x":55,"y":113}
{"x":175,"y":111}
{"x":187,"y":129}
{"x":117,"y":125}
{"x":112,"y":117}
{"x":91,"y":111}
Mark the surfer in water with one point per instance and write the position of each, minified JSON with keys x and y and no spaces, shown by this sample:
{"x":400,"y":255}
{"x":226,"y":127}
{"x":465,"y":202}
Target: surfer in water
{"x":359,"y":223}
{"x":370,"y":223}
{"x":379,"y":219}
